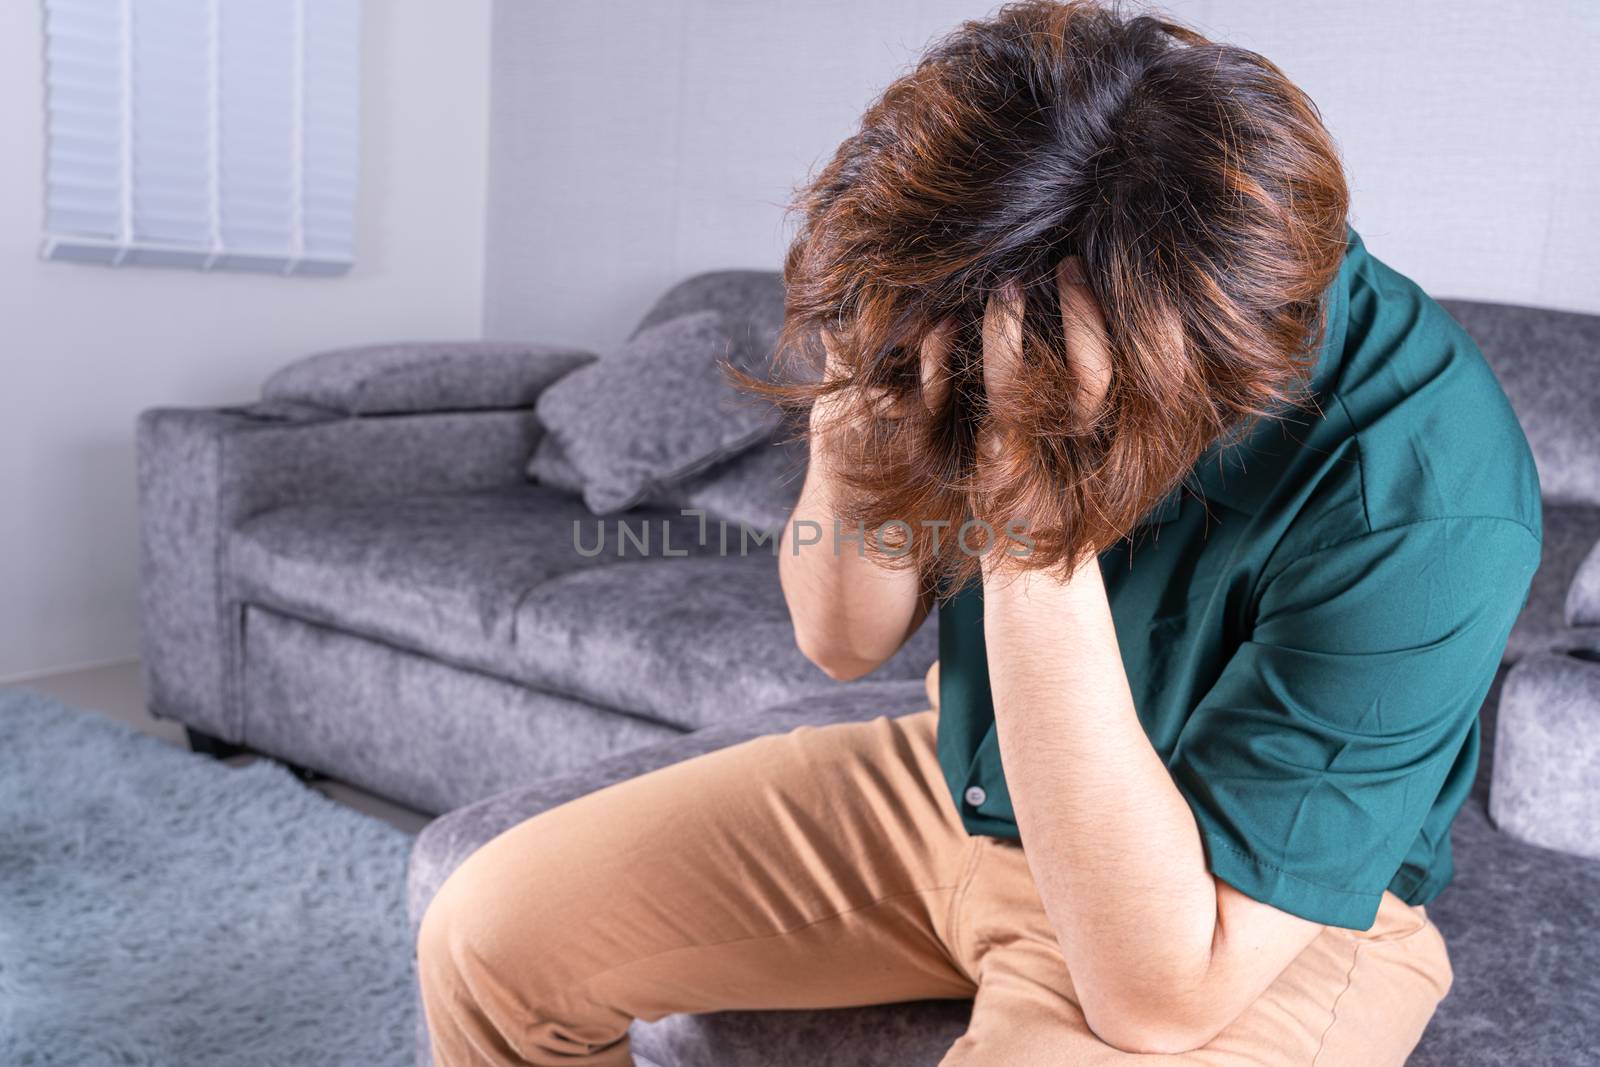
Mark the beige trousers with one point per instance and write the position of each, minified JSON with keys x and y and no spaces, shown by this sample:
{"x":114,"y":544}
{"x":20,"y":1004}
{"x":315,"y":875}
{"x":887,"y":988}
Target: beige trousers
{"x":826,"y":867}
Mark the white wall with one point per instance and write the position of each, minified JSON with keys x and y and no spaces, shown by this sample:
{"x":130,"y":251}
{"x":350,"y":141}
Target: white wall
{"x":83,"y":348}
{"x":635,"y":143}
{"x":1470,"y":131}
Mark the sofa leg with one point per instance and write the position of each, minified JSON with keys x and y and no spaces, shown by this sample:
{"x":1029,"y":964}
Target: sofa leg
{"x":210,"y":745}
{"x":305,"y":774}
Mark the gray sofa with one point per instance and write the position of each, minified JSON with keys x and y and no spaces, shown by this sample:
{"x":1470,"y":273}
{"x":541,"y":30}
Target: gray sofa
{"x":355,"y":575}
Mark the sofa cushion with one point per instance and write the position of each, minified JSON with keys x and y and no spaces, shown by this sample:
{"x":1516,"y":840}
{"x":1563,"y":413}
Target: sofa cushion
{"x":440,"y":574}
{"x":916,"y":1033}
{"x":658,"y":409}
{"x":424,"y":376}
{"x":1545,"y":786}
{"x":688,"y":641}
{"x":550,"y":465}
{"x":1519,"y":921}
{"x":757,"y":488}
{"x":488,"y":581}
{"x":1570,"y":532}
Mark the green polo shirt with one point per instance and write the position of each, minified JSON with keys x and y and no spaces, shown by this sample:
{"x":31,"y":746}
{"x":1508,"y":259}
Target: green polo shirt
{"x":1311,"y":622}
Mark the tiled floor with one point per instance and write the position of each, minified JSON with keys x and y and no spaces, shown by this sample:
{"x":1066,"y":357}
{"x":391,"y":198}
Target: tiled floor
{"x":117,"y":690}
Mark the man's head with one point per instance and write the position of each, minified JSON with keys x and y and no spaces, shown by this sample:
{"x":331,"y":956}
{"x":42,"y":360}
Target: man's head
{"x":1205,"y":199}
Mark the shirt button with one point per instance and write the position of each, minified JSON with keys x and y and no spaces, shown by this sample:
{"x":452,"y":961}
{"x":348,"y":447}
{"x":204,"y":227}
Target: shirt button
{"x":976,"y":796}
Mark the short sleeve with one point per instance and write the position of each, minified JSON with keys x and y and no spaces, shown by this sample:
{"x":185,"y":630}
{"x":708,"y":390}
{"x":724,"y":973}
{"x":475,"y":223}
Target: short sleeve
{"x":1313,"y":762}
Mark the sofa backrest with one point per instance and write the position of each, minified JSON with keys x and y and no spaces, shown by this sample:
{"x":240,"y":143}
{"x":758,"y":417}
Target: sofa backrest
{"x":1548,"y":362}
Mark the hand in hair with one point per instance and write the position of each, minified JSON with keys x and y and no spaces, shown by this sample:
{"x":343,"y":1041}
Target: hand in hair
{"x":853,"y":405}
{"x":1088,"y":349}
{"x":1088,"y":346}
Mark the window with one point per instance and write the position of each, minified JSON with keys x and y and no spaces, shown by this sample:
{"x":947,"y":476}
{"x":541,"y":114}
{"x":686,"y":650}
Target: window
{"x":202,"y":133}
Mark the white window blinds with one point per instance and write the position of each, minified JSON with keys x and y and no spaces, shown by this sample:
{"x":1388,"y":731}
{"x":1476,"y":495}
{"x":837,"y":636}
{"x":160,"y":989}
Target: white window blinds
{"x":203,"y":133}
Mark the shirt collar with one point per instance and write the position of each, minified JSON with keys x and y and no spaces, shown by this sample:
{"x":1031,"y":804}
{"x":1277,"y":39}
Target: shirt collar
{"x":1229,"y":473}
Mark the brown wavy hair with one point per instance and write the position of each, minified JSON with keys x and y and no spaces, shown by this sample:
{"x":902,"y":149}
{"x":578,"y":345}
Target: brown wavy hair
{"x":1205,"y":198}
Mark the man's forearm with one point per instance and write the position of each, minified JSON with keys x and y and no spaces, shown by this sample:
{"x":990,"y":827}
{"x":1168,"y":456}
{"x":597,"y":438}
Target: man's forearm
{"x":1111,"y":842}
{"x":850,"y":613}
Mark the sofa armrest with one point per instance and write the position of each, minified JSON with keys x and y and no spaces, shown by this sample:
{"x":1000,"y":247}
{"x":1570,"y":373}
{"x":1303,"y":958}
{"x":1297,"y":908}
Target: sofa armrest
{"x":413,"y":377}
{"x":1544,"y":787}
{"x":203,"y":471}
{"x":450,"y":839}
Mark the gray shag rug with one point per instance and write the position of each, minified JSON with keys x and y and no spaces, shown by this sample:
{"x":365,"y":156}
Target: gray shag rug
{"x":161,"y":908}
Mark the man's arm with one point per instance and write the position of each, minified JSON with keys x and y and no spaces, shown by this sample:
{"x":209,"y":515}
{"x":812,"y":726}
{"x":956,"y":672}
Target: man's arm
{"x":850,"y":613}
{"x":1162,"y":954}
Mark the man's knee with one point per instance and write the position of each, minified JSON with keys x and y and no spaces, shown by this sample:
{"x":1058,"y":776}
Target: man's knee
{"x":478,"y":988}
{"x":496,"y":961}
{"x":458,"y":943}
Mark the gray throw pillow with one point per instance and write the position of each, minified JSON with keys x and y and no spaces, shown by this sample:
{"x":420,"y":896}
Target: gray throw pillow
{"x":758,"y":487}
{"x":550,"y":466}
{"x":657,"y":410}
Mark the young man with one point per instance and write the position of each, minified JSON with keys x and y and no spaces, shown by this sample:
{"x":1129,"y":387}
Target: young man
{"x":1235,"y":523}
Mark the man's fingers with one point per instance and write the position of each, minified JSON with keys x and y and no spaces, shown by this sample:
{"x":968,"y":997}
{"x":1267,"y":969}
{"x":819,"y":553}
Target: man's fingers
{"x":1002,"y":338}
{"x":1002,"y":359}
{"x":1088,"y":346}
{"x":936,"y":365}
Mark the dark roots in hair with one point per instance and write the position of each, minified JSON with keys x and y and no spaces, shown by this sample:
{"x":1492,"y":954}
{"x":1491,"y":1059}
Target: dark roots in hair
{"x":1206,"y":199}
